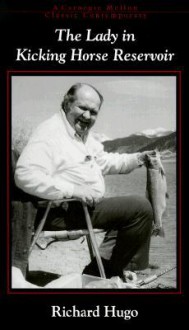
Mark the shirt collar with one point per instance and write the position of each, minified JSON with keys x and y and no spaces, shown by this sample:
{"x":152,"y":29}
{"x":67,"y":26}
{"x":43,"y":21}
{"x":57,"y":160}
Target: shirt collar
{"x":70,"y":129}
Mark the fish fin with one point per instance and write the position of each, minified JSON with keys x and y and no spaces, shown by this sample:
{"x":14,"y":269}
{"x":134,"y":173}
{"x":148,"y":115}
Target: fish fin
{"x":165,"y":213}
{"x":167,"y":195}
{"x":162,"y":171}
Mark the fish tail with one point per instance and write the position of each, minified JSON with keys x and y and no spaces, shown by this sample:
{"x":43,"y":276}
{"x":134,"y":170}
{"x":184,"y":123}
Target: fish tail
{"x":158,"y":231}
{"x":161,"y":232}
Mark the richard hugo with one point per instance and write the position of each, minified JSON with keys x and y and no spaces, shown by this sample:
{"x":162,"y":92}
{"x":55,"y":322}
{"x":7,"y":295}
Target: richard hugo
{"x":98,"y":311}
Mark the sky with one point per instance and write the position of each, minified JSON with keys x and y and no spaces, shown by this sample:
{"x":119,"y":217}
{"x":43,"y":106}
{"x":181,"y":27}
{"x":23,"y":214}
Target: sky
{"x":131,"y":103}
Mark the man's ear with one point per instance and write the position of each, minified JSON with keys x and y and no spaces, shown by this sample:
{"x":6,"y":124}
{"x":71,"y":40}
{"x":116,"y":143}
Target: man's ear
{"x":65,"y":107}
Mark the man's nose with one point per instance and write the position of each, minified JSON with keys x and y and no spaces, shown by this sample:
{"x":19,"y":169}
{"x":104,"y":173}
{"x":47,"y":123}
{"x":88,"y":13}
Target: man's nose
{"x":87,"y":114}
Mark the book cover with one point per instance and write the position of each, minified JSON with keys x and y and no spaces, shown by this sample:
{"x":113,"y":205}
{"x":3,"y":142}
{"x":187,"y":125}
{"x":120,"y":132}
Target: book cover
{"x":134,"y":53}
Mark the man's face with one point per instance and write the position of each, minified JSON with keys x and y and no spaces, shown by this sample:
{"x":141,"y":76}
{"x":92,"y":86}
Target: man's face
{"x":82,"y":112}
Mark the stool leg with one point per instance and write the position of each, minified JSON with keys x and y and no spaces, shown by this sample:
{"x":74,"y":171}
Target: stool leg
{"x":40,"y":227}
{"x":92,"y":255}
{"x":93,"y":241}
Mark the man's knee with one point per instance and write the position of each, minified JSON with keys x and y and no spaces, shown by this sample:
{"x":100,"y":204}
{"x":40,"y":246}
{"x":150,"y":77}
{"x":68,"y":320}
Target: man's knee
{"x":147,"y":208}
{"x":144,"y":209}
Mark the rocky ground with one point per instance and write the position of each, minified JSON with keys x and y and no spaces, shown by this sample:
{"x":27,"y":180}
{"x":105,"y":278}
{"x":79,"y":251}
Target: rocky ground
{"x":70,"y":257}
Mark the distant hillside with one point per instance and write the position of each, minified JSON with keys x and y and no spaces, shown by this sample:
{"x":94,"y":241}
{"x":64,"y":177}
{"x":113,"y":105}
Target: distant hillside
{"x":162,"y":143}
{"x":134,"y":143}
{"x":128,"y":144}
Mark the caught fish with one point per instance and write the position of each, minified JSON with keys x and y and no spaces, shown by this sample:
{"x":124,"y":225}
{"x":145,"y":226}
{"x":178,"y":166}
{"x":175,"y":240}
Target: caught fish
{"x":156,"y":190}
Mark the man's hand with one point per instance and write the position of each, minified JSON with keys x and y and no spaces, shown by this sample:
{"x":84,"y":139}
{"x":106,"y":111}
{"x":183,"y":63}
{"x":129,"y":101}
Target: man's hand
{"x":85,"y":194}
{"x":143,"y":155}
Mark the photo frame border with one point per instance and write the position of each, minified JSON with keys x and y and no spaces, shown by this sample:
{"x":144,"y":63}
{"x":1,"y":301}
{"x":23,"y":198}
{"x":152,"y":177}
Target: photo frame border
{"x":178,"y":75}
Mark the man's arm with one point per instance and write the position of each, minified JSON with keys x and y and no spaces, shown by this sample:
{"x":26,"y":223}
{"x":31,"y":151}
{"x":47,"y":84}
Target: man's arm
{"x":115,"y":163}
{"x":34,"y":175}
{"x":34,"y":172}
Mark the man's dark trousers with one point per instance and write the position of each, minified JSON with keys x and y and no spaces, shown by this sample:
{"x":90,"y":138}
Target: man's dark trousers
{"x":128,"y":222}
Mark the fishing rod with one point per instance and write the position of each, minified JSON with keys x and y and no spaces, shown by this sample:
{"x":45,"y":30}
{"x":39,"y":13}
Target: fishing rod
{"x":154,"y":277}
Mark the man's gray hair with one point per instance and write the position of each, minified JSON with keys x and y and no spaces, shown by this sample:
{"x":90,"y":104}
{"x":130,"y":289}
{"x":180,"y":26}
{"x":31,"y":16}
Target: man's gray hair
{"x":70,"y":95}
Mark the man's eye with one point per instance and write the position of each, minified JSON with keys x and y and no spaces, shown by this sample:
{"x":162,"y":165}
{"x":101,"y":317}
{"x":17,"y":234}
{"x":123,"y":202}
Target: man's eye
{"x":93,"y":113}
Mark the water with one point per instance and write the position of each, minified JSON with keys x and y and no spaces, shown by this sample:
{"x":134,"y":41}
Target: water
{"x":163,"y":250}
{"x":135,"y":182}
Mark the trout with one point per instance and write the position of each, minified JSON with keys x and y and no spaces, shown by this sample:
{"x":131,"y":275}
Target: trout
{"x":156,"y":190}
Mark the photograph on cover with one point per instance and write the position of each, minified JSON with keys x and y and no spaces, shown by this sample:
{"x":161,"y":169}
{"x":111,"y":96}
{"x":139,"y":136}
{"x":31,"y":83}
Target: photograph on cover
{"x":93,"y":190}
